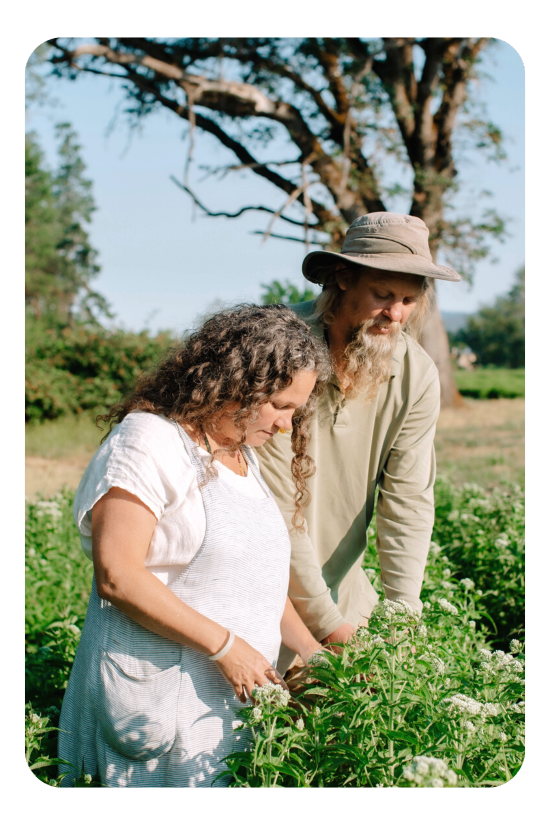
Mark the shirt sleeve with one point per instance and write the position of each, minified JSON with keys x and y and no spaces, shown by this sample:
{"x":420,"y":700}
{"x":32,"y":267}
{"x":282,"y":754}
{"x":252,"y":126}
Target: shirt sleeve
{"x":405,"y":508}
{"x":131,"y":458}
{"x":307,"y":588}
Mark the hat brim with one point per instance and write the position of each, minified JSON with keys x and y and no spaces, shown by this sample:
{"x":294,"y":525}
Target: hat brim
{"x":389,"y":261}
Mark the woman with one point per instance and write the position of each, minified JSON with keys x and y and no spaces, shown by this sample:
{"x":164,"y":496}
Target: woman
{"x":191,"y":554}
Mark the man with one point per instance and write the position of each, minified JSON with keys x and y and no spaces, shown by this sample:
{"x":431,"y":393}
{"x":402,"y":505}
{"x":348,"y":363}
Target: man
{"x":374,"y":428}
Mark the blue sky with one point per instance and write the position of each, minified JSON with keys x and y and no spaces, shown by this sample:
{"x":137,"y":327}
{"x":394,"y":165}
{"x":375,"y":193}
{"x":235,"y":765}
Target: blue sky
{"x":164,"y":264}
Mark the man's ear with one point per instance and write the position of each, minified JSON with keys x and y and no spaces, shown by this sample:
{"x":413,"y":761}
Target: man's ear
{"x":342,"y":278}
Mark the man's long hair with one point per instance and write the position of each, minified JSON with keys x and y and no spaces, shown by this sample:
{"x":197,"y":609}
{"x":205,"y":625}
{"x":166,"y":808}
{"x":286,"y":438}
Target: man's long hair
{"x":367,"y":357}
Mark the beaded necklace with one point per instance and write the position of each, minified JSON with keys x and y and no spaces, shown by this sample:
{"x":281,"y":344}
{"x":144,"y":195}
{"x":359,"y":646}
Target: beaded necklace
{"x":243,"y":470}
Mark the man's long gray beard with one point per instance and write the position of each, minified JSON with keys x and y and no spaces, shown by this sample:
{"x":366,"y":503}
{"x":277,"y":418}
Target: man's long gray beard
{"x":367,"y":359}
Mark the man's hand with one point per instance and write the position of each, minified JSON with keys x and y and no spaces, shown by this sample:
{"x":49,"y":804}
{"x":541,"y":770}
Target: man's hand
{"x":342,"y":634}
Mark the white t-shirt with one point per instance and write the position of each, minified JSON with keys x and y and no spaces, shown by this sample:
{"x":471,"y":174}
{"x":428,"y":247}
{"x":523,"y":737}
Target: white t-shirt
{"x":145,"y":455}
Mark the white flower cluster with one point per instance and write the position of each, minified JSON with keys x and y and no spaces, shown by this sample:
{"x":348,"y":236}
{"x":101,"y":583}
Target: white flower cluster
{"x":437,"y":663}
{"x":434,"y":548}
{"x":502,"y":541}
{"x":319,"y":658}
{"x":300,"y":724}
{"x":500,"y":664}
{"x":48,"y":508}
{"x":399,"y":609}
{"x":467,"y":584}
{"x":270,"y":694}
{"x":472,"y":487}
{"x":472,"y":625}
{"x":447,"y":607}
{"x":429,"y":772}
{"x":422,"y":631}
{"x":459,"y":704}
{"x":489,"y":709}
{"x":518,"y":708}
{"x":515,"y":646}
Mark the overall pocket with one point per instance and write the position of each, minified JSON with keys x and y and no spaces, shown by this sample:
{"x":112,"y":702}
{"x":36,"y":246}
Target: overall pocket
{"x":138,"y":716}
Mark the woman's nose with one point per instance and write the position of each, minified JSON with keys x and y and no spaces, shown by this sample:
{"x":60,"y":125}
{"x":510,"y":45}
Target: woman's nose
{"x":284,"y":420}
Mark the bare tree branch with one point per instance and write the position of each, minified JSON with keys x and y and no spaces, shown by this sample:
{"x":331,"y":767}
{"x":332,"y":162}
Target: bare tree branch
{"x":288,"y":238}
{"x":240,"y":211}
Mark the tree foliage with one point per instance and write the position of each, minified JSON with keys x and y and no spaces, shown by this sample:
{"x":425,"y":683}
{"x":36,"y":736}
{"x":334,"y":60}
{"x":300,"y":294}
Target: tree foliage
{"x":60,"y":260}
{"x":497,"y":333}
{"x":287,"y":293}
{"x":361,"y":121}
{"x":344,"y":105}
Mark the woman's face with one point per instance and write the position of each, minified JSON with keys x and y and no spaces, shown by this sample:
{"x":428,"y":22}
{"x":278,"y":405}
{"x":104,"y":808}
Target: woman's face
{"x":277,"y":413}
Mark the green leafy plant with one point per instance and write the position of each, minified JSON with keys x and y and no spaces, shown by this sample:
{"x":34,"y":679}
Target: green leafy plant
{"x":414,"y":701}
{"x":419,"y":701}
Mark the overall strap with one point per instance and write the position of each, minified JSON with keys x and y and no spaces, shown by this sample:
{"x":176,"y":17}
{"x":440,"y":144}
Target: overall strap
{"x":255,"y":470}
{"x":192,"y":451}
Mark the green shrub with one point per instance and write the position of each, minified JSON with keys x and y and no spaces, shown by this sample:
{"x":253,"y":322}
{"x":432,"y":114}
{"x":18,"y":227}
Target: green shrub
{"x":81,"y":368}
{"x":412,"y":702}
{"x":480,"y":536}
{"x":491,"y":383}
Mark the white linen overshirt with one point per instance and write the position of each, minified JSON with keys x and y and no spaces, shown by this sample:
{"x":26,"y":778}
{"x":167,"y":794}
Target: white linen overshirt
{"x":145,"y":456}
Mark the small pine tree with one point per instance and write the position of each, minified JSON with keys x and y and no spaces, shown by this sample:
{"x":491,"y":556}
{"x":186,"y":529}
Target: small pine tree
{"x":60,"y":260}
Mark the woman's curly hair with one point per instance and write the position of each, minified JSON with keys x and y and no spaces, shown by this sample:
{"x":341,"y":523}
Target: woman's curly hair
{"x":235,"y":362}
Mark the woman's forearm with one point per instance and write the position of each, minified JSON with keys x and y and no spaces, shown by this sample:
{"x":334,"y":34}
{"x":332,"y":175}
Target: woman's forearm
{"x":146,"y":600}
{"x":295,"y":634}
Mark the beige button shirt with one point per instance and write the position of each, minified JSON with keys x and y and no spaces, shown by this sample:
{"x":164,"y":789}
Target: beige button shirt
{"x":358,"y":446}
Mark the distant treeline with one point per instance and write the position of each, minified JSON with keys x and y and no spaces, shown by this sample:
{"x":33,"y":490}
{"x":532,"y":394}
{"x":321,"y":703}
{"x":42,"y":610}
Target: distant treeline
{"x":496,"y":334}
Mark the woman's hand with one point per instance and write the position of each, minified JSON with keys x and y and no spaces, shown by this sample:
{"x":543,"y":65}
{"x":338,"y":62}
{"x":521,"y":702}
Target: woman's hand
{"x":244,"y":668}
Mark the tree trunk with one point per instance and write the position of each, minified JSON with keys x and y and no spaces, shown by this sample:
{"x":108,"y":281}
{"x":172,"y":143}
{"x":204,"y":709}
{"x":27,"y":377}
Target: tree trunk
{"x":436,"y":343}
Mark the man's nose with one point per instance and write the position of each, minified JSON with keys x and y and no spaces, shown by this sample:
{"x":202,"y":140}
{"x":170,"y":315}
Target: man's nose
{"x":394,"y":312}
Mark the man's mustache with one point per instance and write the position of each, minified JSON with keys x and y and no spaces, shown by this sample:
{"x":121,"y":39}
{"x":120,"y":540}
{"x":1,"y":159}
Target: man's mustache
{"x":381,"y":323}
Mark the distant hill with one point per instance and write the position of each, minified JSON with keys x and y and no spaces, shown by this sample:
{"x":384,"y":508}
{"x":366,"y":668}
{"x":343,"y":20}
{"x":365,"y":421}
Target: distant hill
{"x":453,"y":321}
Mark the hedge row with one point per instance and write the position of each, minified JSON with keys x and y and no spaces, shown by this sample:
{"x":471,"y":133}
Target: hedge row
{"x":491,"y":383}
{"x":81,"y":369}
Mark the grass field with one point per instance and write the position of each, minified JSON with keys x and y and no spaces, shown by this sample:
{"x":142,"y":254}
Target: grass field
{"x":491,"y":383}
{"x":482,"y":441}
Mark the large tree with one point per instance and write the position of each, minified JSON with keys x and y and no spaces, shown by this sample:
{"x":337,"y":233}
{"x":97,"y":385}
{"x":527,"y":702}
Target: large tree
{"x":351,"y":110}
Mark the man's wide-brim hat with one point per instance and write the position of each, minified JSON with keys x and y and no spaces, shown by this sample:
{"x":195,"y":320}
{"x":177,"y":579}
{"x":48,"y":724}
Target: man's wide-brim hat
{"x":383,"y":240}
